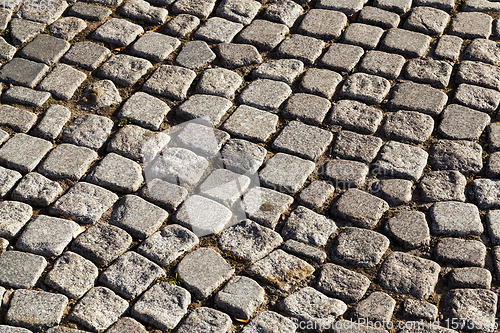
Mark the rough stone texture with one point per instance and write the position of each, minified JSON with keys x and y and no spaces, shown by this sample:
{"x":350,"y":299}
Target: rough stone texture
{"x":36,"y":190}
{"x":265,"y":94}
{"x":237,"y":55}
{"x":409,"y":229}
{"x":224,"y":186}
{"x":126,"y":324}
{"x":483,"y":50}
{"x":360,"y":247}
{"x":284,"y":11}
{"x":350,"y":145}
{"x":8,"y":179}
{"x":417,"y":97}
{"x":198,"y":8}
{"x":383,"y":64}
{"x":20,"y":270}
{"x":265,"y":206}
{"x":52,"y":122}
{"x":202,"y":139}
{"x":263,"y":34}
{"x":86,"y":55}
{"x":282,"y":70}
{"x":144,"y":110}
{"x":218,"y":30}
{"x":437,"y":73}
{"x":67,"y":27}
{"x":101,"y":94}
{"x":378,"y":17}
{"x":155,"y":46}
{"x":34,"y":149}
{"x":360,"y":208}
{"x":376,"y":307}
{"x":14,"y":216}
{"x":170,"y":81}
{"x":240,"y":297}
{"x":117,"y":173}
{"x":285,"y":173}
{"x":207,"y":320}
{"x":345,"y":174}
{"x":400,"y":160}
{"x":461,"y":123}
{"x":304,"y":48}
{"x":443,"y":186}
{"x":342,"y":283}
{"x":364,"y":35}
{"x":316,"y":194}
{"x":322,"y":23}
{"x":195,"y":55}
{"x":320,"y":82}
{"x":460,"y":252}
{"x":455,"y":219}
{"x":448,"y":47}
{"x":26,"y":96}
{"x":408,"y":126}
{"x":470,"y":277}
{"x":118,"y":31}
{"x":346,"y":6}
{"x":341,"y":57}
{"x":305,"y":251}
{"x":209,"y":107}
{"x":250,"y":123}
{"x":407,"y":43}
{"x":181,"y":25}
{"x":420,"y":310}
{"x":164,"y":194}
{"x":427,"y":20}
{"x":90,"y":131}
{"x":220,"y":82}
{"x":479,"y":74}
{"x":355,"y":116}
{"x":479,"y":98}
{"x":124,"y":70}
{"x":67,"y":161}
{"x":45,"y":49}
{"x":311,"y":145}
{"x":366,"y":88}
{"x":271,"y":321}
{"x":18,"y":119}
{"x":395,"y":191}
{"x":485,"y":193}
{"x":471,"y":25}
{"x":239,"y":11}
{"x":308,"y":227}
{"x":464,"y":156}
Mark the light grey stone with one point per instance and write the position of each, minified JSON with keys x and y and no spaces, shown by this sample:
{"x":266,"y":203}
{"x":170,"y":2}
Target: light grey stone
{"x":242,"y":157}
{"x":269,"y":320}
{"x":494,"y":137}
{"x":361,"y":208}
{"x":170,"y":81}
{"x":342,"y":283}
{"x":316,"y":194}
{"x":486,"y":193}
{"x":409,"y":229}
{"x":195,"y":55}
{"x":24,"y":30}
{"x":443,"y":186}
{"x":400,"y":160}
{"x":34,"y":149}
{"x":220,"y":82}
{"x":250,"y":123}
{"x":155,"y":46}
{"x":36,"y":12}
{"x":126,"y":324}
{"x":420,"y":309}
{"x":478,"y":98}
{"x":471,"y":25}
{"x":52,"y":122}
{"x":63,"y":329}
{"x":67,"y":161}
{"x":144,"y":110}
{"x":67,"y":27}
{"x":461,"y":155}
{"x":365,"y":87}
{"x":483,"y":50}
{"x":240,"y":297}
{"x":460,"y":252}
{"x":360,"y":247}
{"x":350,"y":145}
{"x":407,"y":43}
{"x":470,"y":277}
{"x":455,"y":219}
{"x":90,"y":131}
{"x":21,"y":270}
{"x":377,"y":307}
{"x":163,"y":194}
{"x":448,"y":47}
{"x":323,"y":23}
{"x":304,"y":48}
{"x":118,"y":32}
{"x":181,"y":25}
{"x":117,"y":173}
{"x":345,"y":174}
{"x":286,"y":173}
{"x":19,"y":120}
{"x":322,"y":82}
{"x":263,"y":34}
{"x":417,"y":97}
{"x":427,"y":20}
{"x":378,"y":17}
{"x":265,"y":94}
{"x":8,"y":179}
{"x":72,"y":275}
{"x":62,"y":81}
{"x":101,"y":94}
{"x":142,"y":11}
{"x":124,"y":70}
{"x":408,"y":126}
{"x":441,"y":4}
{"x":437,"y":73}
{"x":26,"y":96}
{"x":355,"y":116}
{"x":481,"y":6}
{"x":239,"y":11}
{"x":224,"y":186}
{"x":89,"y":12}
{"x":233,"y":56}
{"x":284,"y":11}
{"x":398,"y":6}
{"x":86,"y":55}
{"x":364,"y":35}
{"x":13,"y":217}
{"x":462,"y":123}
{"x":207,"y":320}
{"x":281,"y":70}
{"x":307,"y":108}
{"x":200,"y":137}
{"x":218,"y":30}
{"x":45,"y":49}
{"x":383,"y":64}
{"x":201,"y":8}
{"x":303,"y":250}
{"x":478,"y":73}
{"x":309,"y":227}
{"x":209,"y":107}
{"x":348,"y":7}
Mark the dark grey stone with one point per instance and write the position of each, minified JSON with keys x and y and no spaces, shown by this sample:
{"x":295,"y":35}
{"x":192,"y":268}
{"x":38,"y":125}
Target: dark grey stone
{"x":342,"y":283}
{"x":89,"y":12}
{"x":461,"y":155}
{"x":67,"y":27}
{"x":409,"y":229}
{"x":304,"y":48}
{"x":323,"y":24}
{"x":45,"y":49}
{"x":362,"y":209}
{"x":198,"y":8}
{"x":23,"y":72}
{"x":308,"y":108}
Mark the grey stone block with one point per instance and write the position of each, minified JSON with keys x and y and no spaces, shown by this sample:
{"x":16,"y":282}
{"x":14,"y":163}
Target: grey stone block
{"x":26,"y":96}
{"x":448,"y":47}
{"x":181,"y":25}
{"x":126,"y":324}
{"x":141,"y":10}
{"x":404,"y":273}
{"x":250,"y":123}
{"x":168,"y":244}
{"x":306,"y":251}
{"x":36,"y":310}
{"x":478,"y":73}
{"x":362,"y":209}
{"x":19,"y":120}
{"x":265,"y":94}
{"x":348,"y":7}
{"x":377,"y":307}
{"x":471,"y":25}
{"x":427,"y":20}
{"x":342,"y":283}
{"x":209,"y":107}
{"x":170,"y":81}
{"x":441,"y":4}
{"x":24,"y":30}
{"x":398,"y":6}
{"x":155,"y":46}
{"x":67,"y":161}
{"x":124,"y":70}
{"x":462,"y":123}
{"x":443,"y":186}
{"x":383,"y":64}
{"x":460,"y":252}
{"x":118,"y":32}
{"x":202,"y":139}
{"x":417,"y":309}
{"x":206,"y":320}
{"x":89,"y":12}
{"x":455,"y":219}
{"x":14,"y":216}
{"x":308,"y":227}
{"x":36,"y":13}
{"x":407,"y":43}
{"x":218,"y":30}
{"x":303,"y":140}
{"x":461,"y":155}
{"x":163,"y":194}
{"x":240,"y":297}
{"x":470,"y":277}
{"x":320,"y":82}
{"x":345,"y":174}
{"x":62,"y":81}
{"x":478,"y":98}
{"x":355,"y":116}
{"x":408,"y":126}
{"x":360,"y":247}
{"x":307,"y":108}
{"x":45,"y":49}
{"x":284,"y":11}
{"x":137,"y":216}
{"x":23,"y":72}
{"x":21,"y":270}
{"x":437,"y":73}
{"x":63,"y":329}
{"x":364,"y":35}
{"x":350,"y":145}
{"x":237,"y":55}
{"x":265,"y":206}
{"x":493,"y":223}
{"x":378,"y":17}
{"x":67,"y":27}
{"x":7,"y":51}
{"x":90,"y":131}
{"x":417,"y":97}
{"x":220,"y":82}
{"x":267,"y":320}
{"x":72,"y":275}
{"x":263,"y":34}
{"x":286,"y":173}
{"x":242,"y":156}
{"x":304,"y":48}
{"x":409,"y":229}
{"x":281,"y":70}
{"x":102,"y":243}
{"x":224,"y":186}
{"x":101,"y":94}
{"x":239,"y":11}
{"x":323,"y":24}
{"x":52,"y":122}
{"x":485,"y":193}
{"x":400,"y":160}
{"x":281,"y":270}
{"x":195,"y":55}
{"x":201,"y":8}
{"x":368,"y":88}
{"x":99,"y":309}
{"x":8,"y":179}
{"x":5,"y":16}
{"x":33,"y":150}
{"x":86,"y":55}
{"x":144,"y":110}
{"x":117,"y":173}
{"x":316,"y":194}
{"x":483,"y":50}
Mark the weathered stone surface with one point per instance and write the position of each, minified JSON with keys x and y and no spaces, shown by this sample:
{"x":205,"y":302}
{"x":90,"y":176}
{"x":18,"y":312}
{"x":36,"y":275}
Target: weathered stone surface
{"x":90,"y":131}
{"x":239,"y":11}
{"x":36,"y":190}
{"x":341,"y":57}
{"x":470,"y":277}
{"x":250,"y":123}
{"x":316,"y":194}
{"x":285,"y":173}
{"x":345,"y":174}
{"x":455,"y":219}
{"x":219,"y":81}
{"x":118,"y":31}
{"x":471,"y":25}
{"x":13,"y":217}
{"x":265,"y":206}
{"x":443,"y":186}
{"x":195,"y":55}
{"x":462,"y":123}
{"x":284,"y":11}
{"x":407,"y":43}
{"x":323,"y":23}
{"x":67,"y":161}
{"x":395,"y":191}
{"x":448,"y":47}
{"x":126,"y":324}
{"x":362,"y":209}
{"x":21,"y":270}
{"x":117,"y":173}
{"x":305,"y":251}
{"x":263,"y":34}
{"x":418,"y":97}
{"x":420,"y":309}
{"x":322,"y":82}
{"x":86,"y":55}
{"x":355,"y":116}
{"x":460,"y":252}
{"x":408,"y":126}
{"x":304,"y":48}
{"x":437,"y":73}
{"x":365,"y":87}
{"x":427,"y":20}
{"x":271,"y":321}
{"x":282,"y":70}
{"x":207,"y":320}
{"x":237,"y":55}
{"x":308,"y":227}
{"x":410,"y":229}
{"x":8,"y":179}
{"x":124,"y":70}
{"x":479,"y":98}
{"x":155,"y":46}
{"x":485,"y":193}
{"x":164,"y":194}
{"x":209,"y":107}
{"x":377,"y":307}
{"x":33,"y":150}
{"x":265,"y":94}
{"x":52,"y":122}
{"x":360,"y":247}
{"x":342,"y":283}
{"x":383,"y":64}
{"x":350,"y":145}
{"x":400,"y":160}
{"x":461,"y":155}
{"x":240,"y":297}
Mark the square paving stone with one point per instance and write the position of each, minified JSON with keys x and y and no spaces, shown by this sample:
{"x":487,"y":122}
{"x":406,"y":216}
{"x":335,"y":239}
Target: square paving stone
{"x":461,"y":155}
{"x":137,"y":143}
{"x":218,"y":30}
{"x":232,"y":55}
{"x":72,"y":275}
{"x":441,"y":4}
{"x":67,"y":161}
{"x":471,"y":25}
{"x":117,"y":173}
{"x":263,"y":34}
{"x":124,"y":70}
{"x":170,"y":81}
{"x":348,"y":7}
{"x":482,"y":50}
{"x":89,"y":12}
{"x":47,"y":236}
{"x":207,"y":320}
{"x":67,"y":27}
{"x":198,"y":8}
{"x":304,"y":48}
{"x":383,"y":64}
{"x":102,"y":243}
{"x":479,"y":98}
{"x":126,"y":275}
{"x":224,"y":186}
{"x":341,"y":57}
{"x":461,"y":123}
{"x":367,"y":88}
{"x":342,"y":283}
{"x":137,"y":216}
{"x":84,"y":203}
{"x":265,"y":206}
{"x":36,"y":310}
{"x":35,"y":11}
{"x":303,"y":250}
{"x":322,"y":82}
{"x":359,"y":147}
{"x":448,"y":47}
{"x":407,"y":43}
{"x":52,"y":122}
{"x":398,"y":6}
{"x":195,"y":55}
{"x":162,"y":306}
{"x":378,"y":17}
{"x":141,"y":10}
{"x":443,"y":186}
{"x":168,"y":244}
{"x":303,"y":140}
{"x":430,"y":21}
{"x":377,"y":307}
{"x":45,"y":49}
{"x":281,"y":270}
{"x":417,"y":97}
{"x":23,"y":72}
{"x":144,"y":110}
{"x":13,"y":217}
{"x":209,"y":107}
{"x":33,"y":150}
{"x":364,"y":35}
{"x":286,"y":173}
{"x":36,"y":190}
{"x":471,"y":308}
{"x":269,"y":320}
{"x":420,"y":309}
{"x":62,"y":81}
{"x":265,"y":94}
{"x":308,"y":227}
{"x":460,"y":252}
{"x":409,"y":229}
{"x":362,"y":209}
{"x":395,"y":191}
{"x":13,"y":329}
{"x":101,"y":94}
{"x":408,"y":126}
{"x":8,"y":179}
{"x":316,"y":194}
{"x":23,"y":31}
{"x":400,"y":160}
{"x":250,"y":123}
{"x":201,"y":138}
{"x":19,"y":120}
{"x":249,"y":241}
{"x":21,"y":270}
{"x":478,"y":73}
{"x":99,"y":309}
{"x":307,"y":108}
{"x":284,"y":11}
{"x":220,"y":82}
{"x":285,"y":70}
{"x":486,"y":193}
{"x":239,"y":11}
{"x":437,"y":73}
{"x":314,"y":308}
{"x":203,"y":271}
{"x":455,"y":219}
{"x":118,"y":32}
{"x":240,"y":297}
{"x":25,"y":96}
{"x":404,"y":273}
{"x":355,"y":116}
{"x":493,"y":223}
{"x":203,"y":216}
{"x":360,"y":247}
{"x":470,"y":277}
{"x":86,"y":55}
{"x":323,"y":24}
{"x":90,"y":131}
{"x":126,"y":324}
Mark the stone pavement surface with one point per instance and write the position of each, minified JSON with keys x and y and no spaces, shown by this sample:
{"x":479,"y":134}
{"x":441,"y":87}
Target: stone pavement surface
{"x":249,"y":166}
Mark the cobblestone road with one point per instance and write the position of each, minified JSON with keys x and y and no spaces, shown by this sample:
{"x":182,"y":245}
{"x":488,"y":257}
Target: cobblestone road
{"x":249,"y":166}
